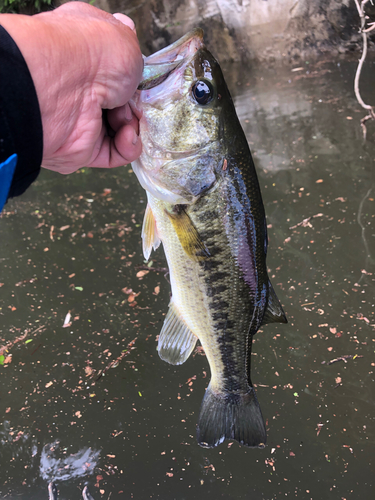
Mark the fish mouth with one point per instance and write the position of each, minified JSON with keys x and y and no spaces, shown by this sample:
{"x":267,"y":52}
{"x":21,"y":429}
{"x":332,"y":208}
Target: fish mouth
{"x":160,"y":65}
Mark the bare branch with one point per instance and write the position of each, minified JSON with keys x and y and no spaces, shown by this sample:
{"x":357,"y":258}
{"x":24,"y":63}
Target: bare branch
{"x":363,"y":31}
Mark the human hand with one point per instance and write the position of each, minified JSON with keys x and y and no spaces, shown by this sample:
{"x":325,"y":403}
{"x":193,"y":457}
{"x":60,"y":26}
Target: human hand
{"x":82,"y":60}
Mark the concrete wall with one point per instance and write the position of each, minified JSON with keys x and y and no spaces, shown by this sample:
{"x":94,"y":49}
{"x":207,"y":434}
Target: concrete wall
{"x":243,"y":29}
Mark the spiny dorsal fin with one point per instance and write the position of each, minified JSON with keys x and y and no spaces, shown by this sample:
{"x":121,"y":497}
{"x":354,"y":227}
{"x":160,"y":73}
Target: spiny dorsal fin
{"x":187,"y":234}
{"x":176,"y":341}
{"x":274,"y":312}
{"x":150,"y":236}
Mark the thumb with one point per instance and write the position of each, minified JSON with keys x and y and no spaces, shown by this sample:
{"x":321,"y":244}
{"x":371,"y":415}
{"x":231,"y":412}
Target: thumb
{"x":125,"y":20}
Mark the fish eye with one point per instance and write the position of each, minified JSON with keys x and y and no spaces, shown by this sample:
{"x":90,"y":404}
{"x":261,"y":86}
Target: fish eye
{"x":202,"y":92}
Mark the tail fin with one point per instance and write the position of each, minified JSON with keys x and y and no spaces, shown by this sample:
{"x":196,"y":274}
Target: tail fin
{"x":231,"y":416}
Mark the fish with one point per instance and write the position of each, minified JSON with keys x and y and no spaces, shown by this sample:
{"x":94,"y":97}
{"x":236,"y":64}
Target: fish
{"x":205,"y":207}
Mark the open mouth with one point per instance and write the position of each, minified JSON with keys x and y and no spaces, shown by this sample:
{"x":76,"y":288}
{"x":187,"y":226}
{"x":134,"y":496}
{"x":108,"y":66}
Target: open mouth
{"x":159,"y":66}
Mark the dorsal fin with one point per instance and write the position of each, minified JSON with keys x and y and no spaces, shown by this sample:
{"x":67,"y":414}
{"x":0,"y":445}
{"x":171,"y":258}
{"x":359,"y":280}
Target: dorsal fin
{"x":150,"y":236}
{"x":176,"y":341}
{"x":274,"y":312}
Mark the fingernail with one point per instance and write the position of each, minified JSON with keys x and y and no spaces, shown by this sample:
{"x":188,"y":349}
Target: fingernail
{"x":136,"y":111}
{"x":135,"y":138}
{"x":128,"y":113}
{"x":125,"y":20}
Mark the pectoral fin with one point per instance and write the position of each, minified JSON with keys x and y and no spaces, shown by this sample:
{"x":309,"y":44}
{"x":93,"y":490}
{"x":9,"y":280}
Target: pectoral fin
{"x":274,"y":312}
{"x":150,"y":236}
{"x":188,"y":234}
{"x":176,"y":341}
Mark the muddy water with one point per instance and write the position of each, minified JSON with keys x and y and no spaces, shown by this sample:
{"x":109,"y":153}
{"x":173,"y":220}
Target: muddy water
{"x":72,"y":245}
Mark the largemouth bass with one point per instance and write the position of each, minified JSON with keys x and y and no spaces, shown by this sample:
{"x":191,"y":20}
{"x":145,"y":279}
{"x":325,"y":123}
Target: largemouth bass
{"x":205,"y":206}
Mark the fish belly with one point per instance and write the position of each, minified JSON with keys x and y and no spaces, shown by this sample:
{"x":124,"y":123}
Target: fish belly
{"x":186,"y":283}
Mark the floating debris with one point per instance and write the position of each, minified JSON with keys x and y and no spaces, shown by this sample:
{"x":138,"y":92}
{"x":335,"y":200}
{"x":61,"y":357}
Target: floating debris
{"x":342,"y":358}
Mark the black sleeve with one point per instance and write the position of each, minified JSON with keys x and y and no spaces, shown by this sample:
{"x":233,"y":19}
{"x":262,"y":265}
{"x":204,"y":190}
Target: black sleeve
{"x":21,"y":130}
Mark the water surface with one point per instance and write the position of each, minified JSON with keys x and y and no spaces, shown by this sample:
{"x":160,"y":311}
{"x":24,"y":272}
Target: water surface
{"x":72,"y":245}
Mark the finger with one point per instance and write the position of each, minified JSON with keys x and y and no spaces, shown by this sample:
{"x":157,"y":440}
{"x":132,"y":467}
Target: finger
{"x":61,"y":169}
{"x":124,"y":148}
{"x":128,"y":143}
{"x":121,"y":116}
{"x":136,"y":111}
{"x":125,"y":20}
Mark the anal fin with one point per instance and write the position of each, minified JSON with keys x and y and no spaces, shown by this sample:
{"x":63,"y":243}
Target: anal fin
{"x":176,"y":340}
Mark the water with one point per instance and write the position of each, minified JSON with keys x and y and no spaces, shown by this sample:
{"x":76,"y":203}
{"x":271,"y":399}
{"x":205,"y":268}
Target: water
{"x":72,"y":245}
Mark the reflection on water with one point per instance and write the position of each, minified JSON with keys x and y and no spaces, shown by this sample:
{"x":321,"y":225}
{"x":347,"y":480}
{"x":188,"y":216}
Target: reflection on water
{"x":63,"y":468}
{"x":369,"y":257}
{"x":56,"y":463}
{"x":73,"y":246}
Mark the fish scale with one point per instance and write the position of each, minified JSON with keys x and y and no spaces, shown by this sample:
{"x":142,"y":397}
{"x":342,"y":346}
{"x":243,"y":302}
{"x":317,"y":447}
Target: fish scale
{"x":205,"y":207}
{"x":228,"y":300}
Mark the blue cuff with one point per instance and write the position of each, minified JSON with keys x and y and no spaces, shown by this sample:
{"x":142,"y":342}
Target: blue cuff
{"x":6,"y":175}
